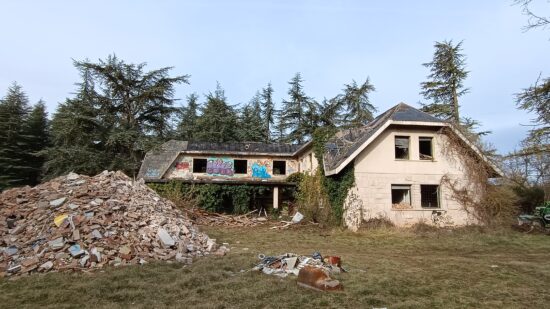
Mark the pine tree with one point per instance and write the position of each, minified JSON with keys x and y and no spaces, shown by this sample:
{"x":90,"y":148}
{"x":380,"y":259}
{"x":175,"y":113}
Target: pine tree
{"x":268,"y":111}
{"x":186,"y":130}
{"x":120,"y":112}
{"x":218,"y":120}
{"x":356,"y":101}
{"x":79,"y":134}
{"x":251,"y":127}
{"x":293,"y":118}
{"x":536,"y":99}
{"x":446,"y":81}
{"x":37,"y":133}
{"x":14,"y":110}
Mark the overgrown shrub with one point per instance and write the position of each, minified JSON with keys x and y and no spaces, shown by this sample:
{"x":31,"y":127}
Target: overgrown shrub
{"x":237,"y":199}
{"x":312,"y":201}
{"x":491,"y":205}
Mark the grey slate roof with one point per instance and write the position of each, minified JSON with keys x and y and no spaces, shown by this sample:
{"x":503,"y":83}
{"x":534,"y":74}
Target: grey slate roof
{"x":346,"y":142}
{"x":158,"y":161}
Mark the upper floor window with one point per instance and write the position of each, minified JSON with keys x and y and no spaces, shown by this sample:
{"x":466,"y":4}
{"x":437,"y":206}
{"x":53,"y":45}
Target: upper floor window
{"x":241,"y":166}
{"x":199,"y":165}
{"x":402,"y":147}
{"x":279,"y":167}
{"x":425,"y":148}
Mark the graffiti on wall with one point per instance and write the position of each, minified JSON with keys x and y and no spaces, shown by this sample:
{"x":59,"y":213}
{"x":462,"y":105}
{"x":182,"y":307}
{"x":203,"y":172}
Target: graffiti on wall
{"x":182,"y":168}
{"x":220,"y":166}
{"x":260,"y":169}
{"x":152,"y":173}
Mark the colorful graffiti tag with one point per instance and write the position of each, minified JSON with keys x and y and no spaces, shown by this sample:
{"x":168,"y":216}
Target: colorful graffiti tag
{"x":184,"y":165}
{"x":260,"y":169}
{"x":182,"y":169}
{"x":152,"y":172}
{"x":220,"y":166}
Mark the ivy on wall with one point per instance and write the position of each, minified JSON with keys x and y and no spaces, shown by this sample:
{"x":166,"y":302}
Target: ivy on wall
{"x":237,"y":199}
{"x":335,"y":187}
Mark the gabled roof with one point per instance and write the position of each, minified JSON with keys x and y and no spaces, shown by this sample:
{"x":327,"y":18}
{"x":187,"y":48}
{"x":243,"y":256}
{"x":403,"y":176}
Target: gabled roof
{"x":157,"y":161}
{"x":341,"y":149}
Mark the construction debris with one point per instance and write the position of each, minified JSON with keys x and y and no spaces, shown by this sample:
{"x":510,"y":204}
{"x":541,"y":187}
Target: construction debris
{"x":312,"y":271}
{"x":297,"y":218}
{"x":77,"y":222}
{"x":203,"y":217}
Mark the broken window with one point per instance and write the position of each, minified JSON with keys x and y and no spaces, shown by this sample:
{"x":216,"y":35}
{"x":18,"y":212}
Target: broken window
{"x":401,"y":196}
{"x":241,"y":166}
{"x":429,"y":196}
{"x":199,"y":165}
{"x":425,"y":148}
{"x":279,"y":167}
{"x":401,"y":147}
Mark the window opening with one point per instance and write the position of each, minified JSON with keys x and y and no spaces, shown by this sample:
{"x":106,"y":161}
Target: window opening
{"x":401,"y":196}
{"x":199,"y":165}
{"x":279,"y":167}
{"x":425,"y":148}
{"x":241,"y":166}
{"x":429,"y":196}
{"x":401,"y":147}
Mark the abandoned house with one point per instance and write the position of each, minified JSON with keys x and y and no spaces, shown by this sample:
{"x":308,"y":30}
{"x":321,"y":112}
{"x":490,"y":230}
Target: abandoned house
{"x":399,"y":161}
{"x":228,"y":163}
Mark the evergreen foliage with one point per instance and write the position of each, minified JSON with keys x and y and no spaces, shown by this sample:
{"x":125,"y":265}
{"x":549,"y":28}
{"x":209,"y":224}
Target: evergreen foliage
{"x":218,"y":120}
{"x":268,"y":111}
{"x":186,"y":130}
{"x":251,"y":127}
{"x":119,"y":112}
{"x":536,"y":99}
{"x":355,"y":99}
{"x":296,"y":118}
{"x":14,"y":110}
{"x":446,"y":81}
{"x":37,"y":133}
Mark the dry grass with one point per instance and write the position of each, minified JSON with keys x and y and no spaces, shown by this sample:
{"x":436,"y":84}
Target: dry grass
{"x":387,"y":268}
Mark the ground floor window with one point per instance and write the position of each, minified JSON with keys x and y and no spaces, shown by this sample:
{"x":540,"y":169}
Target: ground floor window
{"x":199,"y":165}
{"x":401,"y":196}
{"x":429,"y":196}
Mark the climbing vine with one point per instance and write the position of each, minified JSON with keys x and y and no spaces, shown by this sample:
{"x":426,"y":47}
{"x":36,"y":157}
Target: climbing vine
{"x":237,"y":199}
{"x":487,"y":203}
{"x":335,"y":188}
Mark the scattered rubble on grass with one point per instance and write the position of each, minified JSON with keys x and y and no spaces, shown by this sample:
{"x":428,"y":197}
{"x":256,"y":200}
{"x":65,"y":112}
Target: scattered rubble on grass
{"x":77,"y":222}
{"x":312,"y":271}
{"x":297,"y":218}
{"x":203,"y":217}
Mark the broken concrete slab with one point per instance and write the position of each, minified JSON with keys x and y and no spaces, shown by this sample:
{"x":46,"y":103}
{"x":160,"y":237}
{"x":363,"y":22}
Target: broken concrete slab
{"x":165,"y":238}
{"x":58,"y":202}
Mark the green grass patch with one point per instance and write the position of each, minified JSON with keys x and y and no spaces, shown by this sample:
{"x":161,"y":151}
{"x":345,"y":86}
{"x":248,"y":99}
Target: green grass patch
{"x":387,"y":268}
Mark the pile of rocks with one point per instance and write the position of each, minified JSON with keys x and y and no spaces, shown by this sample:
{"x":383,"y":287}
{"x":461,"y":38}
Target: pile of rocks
{"x":77,"y":222}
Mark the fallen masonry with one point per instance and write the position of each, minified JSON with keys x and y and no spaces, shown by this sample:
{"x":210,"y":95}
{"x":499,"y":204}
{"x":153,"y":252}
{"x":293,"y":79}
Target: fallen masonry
{"x":77,"y":222}
{"x":313,"y":271}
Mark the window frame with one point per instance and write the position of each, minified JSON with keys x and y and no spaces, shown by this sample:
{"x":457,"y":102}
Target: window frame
{"x":437,"y":198}
{"x":196,"y":166}
{"x":408,"y":195}
{"x":395,"y":148}
{"x":274,"y":168}
{"x":245,"y":166}
{"x":424,"y":139}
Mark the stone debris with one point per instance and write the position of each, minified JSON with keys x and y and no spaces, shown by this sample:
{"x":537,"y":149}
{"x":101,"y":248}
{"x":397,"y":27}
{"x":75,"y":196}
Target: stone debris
{"x":77,"y":222}
{"x":203,"y":217}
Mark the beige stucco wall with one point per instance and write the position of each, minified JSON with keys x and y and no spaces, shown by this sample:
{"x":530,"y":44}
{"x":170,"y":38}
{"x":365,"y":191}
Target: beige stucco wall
{"x":182,"y":168}
{"x":376,"y":169}
{"x":308,"y":162}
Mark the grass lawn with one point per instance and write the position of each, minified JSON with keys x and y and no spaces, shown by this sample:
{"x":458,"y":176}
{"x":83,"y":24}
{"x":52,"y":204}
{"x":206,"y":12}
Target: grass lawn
{"x":387,"y":268}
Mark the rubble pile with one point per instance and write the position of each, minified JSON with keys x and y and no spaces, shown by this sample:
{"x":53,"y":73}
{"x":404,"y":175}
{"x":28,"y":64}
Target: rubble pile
{"x":77,"y":222}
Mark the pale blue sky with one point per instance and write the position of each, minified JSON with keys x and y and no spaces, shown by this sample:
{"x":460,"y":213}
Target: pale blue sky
{"x":246,"y":44}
